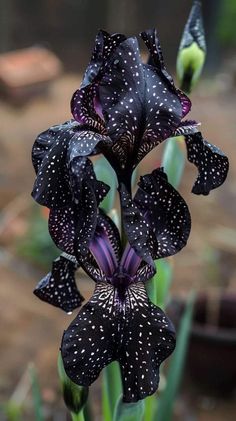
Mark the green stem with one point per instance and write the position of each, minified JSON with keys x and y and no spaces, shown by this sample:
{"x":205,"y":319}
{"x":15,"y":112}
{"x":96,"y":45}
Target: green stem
{"x":77,"y":417}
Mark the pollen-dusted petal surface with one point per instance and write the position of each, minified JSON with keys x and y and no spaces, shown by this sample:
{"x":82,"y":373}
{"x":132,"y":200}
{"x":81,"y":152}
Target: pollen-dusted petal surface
{"x":58,"y":287}
{"x":123,"y":326}
{"x":210,"y":161}
{"x":166,"y":212}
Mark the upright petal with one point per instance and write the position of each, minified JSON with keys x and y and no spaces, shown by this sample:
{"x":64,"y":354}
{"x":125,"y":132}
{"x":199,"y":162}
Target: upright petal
{"x":210,"y":161}
{"x":58,"y":287}
{"x":136,"y":226}
{"x":166,"y":212}
{"x":153,"y":44}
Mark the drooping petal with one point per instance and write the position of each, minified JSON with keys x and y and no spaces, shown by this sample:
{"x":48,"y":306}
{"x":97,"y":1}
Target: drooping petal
{"x":73,"y":226}
{"x":149,"y":339}
{"x":166,"y":212}
{"x":210,"y":161}
{"x":58,"y":287}
{"x":136,"y":226}
{"x":49,"y":153}
{"x":89,"y":343}
{"x":187,"y":127}
{"x":52,"y":152}
{"x":122,"y":326}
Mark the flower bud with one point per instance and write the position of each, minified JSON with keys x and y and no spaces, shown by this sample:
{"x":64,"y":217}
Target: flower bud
{"x":192,"y":50}
{"x":74,"y":396}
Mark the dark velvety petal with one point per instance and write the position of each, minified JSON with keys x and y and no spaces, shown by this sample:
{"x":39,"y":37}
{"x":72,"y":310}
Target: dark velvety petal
{"x":145,"y":272}
{"x":121,"y":93}
{"x":90,"y":341}
{"x":136,"y":226}
{"x":211,"y":162}
{"x":104,"y":45}
{"x":49,"y":154}
{"x":148,"y":340}
{"x":123,"y":326}
{"x":72,"y":228}
{"x":152,"y":42}
{"x":163,"y":111}
{"x":85,"y":104}
{"x":86,"y":143}
{"x":166,"y":212}
{"x":82,"y":177}
{"x":84,"y":111}
{"x":187,"y":127}
{"x":58,"y":287}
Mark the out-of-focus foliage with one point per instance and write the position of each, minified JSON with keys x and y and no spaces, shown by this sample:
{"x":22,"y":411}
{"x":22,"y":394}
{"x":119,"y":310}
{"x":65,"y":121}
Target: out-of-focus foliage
{"x":227,"y":19}
{"x":37,"y":245}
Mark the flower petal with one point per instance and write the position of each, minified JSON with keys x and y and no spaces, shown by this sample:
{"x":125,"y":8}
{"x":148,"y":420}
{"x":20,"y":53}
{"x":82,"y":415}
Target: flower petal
{"x":166,"y":212}
{"x":136,"y":226}
{"x":105,"y":249}
{"x":211,"y":162}
{"x":104,"y":45}
{"x":148,"y":340}
{"x":187,"y":127}
{"x":49,"y":153}
{"x":58,"y":287}
{"x":136,"y":333}
{"x":90,"y":341}
{"x":153,"y":44}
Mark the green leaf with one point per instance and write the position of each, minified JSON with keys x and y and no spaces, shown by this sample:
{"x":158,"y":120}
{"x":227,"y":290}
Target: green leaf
{"x":174,"y":160}
{"x":129,"y":411}
{"x":105,"y":173}
{"x":166,"y":401}
{"x":158,"y":287}
{"x":150,"y":407}
{"x":111,"y":389}
{"x":37,"y":400}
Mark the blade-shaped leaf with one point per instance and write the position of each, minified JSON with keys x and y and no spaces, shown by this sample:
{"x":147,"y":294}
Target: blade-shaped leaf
{"x":166,"y":401}
{"x":174,"y":160}
{"x":158,"y":287}
{"x":129,"y":411}
{"x":36,"y":394}
{"x":111,"y":389}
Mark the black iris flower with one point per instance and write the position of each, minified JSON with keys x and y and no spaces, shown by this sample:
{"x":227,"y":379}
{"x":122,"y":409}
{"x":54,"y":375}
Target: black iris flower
{"x":123,"y":109}
{"x":118,"y":322}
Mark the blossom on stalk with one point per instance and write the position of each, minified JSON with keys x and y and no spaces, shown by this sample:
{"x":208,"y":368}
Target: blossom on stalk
{"x":192,"y":49}
{"x":119,"y":322}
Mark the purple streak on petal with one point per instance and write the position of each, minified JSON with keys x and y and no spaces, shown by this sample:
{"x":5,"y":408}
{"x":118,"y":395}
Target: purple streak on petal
{"x":98,"y":107}
{"x":102,"y":251}
{"x":130,"y":261}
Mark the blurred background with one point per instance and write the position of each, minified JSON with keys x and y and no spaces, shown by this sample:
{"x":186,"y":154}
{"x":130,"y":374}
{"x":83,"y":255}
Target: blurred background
{"x":44,"y":48}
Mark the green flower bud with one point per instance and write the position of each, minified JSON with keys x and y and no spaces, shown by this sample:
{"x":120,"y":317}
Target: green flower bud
{"x":74,"y":396}
{"x":192,"y":50}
